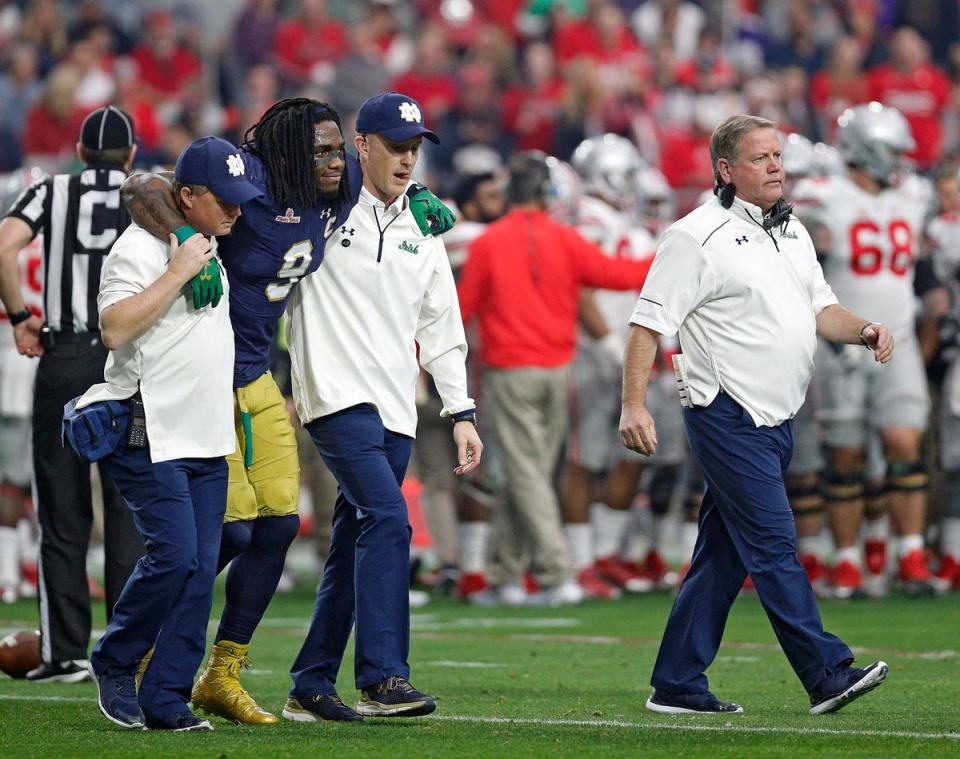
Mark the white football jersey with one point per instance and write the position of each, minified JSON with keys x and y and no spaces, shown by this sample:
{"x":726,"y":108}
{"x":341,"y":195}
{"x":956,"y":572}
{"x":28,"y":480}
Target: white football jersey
{"x":619,"y":237}
{"x":874,"y":241}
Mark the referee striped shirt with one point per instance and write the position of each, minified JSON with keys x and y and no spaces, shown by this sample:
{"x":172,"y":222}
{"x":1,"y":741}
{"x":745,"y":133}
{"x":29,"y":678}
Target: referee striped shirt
{"x":80,"y":217}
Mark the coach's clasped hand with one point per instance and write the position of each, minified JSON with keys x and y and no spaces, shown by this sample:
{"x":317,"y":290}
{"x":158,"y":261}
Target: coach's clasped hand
{"x":431,"y":215}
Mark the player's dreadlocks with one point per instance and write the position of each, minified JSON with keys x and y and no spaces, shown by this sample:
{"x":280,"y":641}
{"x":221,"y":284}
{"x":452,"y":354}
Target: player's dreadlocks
{"x":283,"y":140}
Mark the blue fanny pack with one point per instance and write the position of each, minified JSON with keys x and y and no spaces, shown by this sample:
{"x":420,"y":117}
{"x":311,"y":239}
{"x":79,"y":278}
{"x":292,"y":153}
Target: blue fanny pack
{"x":96,"y":430}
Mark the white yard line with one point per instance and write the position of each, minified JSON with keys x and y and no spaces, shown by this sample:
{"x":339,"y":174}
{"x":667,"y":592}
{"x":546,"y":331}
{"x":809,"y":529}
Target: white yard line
{"x":693,"y":727}
{"x":685,"y":726}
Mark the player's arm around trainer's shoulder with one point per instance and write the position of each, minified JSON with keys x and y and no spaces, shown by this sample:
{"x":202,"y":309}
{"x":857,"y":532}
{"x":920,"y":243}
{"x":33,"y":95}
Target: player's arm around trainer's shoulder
{"x":152,"y":205}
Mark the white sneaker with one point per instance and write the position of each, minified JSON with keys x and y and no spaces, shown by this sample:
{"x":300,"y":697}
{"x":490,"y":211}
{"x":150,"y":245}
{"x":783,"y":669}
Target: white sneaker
{"x":567,"y":593}
{"x":512,"y":594}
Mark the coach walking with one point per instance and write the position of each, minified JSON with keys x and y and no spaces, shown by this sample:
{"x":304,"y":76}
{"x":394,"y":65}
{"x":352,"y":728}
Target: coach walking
{"x":738,"y":277}
{"x":172,"y":361}
{"x":80,"y":216}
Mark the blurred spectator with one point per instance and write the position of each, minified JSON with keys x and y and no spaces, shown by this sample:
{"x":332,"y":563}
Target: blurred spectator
{"x":361,"y":73}
{"x":394,"y":47}
{"x":917,"y":88}
{"x":430,"y":82}
{"x":306,"y":47}
{"x":840,"y":85}
{"x":708,"y":69}
{"x":19,"y":89}
{"x":53,"y":122}
{"x":675,"y":22}
{"x":91,"y":51}
{"x":43,"y":25}
{"x":167,"y":67}
{"x":798,"y":114}
{"x":805,"y":44}
{"x":602,"y":36}
{"x":261,"y":90}
{"x":11,"y":17}
{"x":254,"y":33}
{"x":863,"y":18}
{"x":95,"y":13}
{"x":531,"y":106}
{"x":130,"y":97}
{"x":938,"y":21}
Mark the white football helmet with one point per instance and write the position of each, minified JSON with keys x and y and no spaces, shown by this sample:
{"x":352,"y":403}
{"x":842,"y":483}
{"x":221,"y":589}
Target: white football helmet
{"x":874,"y":137}
{"x":797,"y":155}
{"x":827,"y":161}
{"x":657,"y":207}
{"x":565,"y":191}
{"x":608,"y":166}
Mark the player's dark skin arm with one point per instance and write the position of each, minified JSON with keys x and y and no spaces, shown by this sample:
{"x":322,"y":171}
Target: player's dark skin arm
{"x":149,"y":199}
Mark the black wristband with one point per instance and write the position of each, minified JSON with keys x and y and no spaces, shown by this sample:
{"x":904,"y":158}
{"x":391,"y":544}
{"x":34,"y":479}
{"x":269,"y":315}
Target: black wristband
{"x":470,"y":415}
{"x":19,"y":317}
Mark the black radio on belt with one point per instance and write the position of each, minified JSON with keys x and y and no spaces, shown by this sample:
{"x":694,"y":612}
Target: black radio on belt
{"x":137,"y":431}
{"x":47,"y":339}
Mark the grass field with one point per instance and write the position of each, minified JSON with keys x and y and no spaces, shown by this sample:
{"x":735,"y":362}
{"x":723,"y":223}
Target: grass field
{"x":557,"y":683}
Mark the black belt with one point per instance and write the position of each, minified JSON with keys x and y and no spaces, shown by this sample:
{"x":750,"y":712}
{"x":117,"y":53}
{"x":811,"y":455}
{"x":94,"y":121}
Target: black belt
{"x":50,"y":338}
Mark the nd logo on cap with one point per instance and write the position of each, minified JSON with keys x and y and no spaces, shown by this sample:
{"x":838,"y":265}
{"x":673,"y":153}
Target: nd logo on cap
{"x":410,"y":112}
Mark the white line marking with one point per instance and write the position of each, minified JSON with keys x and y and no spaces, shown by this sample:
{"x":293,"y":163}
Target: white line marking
{"x":682,"y":727}
{"x":728,"y":728}
{"x":465,"y":664}
{"x":467,"y":623}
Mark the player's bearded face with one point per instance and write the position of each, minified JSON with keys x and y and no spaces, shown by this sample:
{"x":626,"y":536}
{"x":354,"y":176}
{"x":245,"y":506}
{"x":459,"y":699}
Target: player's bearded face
{"x":329,"y":158}
{"x":758,"y":172}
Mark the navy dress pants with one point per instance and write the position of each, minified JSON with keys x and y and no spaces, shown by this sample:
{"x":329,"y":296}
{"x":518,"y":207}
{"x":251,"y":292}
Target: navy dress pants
{"x":746,"y":526}
{"x":366,"y":577}
{"x":178,"y":507}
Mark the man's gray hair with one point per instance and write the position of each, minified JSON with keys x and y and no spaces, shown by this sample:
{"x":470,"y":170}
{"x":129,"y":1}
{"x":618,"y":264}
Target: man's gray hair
{"x":725,"y":140}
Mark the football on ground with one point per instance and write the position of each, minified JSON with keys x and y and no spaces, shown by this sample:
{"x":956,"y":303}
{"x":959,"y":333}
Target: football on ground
{"x":19,"y":653}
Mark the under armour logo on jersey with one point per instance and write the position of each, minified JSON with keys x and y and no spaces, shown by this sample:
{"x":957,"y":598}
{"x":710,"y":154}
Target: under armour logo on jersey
{"x":348,"y":231}
{"x":287,"y":218}
{"x":235,"y":165}
{"x":410,"y":112}
{"x":742,"y":240}
{"x":325,"y":213}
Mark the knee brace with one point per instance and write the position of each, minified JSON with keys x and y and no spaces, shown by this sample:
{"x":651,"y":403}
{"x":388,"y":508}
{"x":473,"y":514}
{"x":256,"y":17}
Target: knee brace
{"x":843,"y":487}
{"x":876,"y":502}
{"x":950,"y":493}
{"x":805,"y":499}
{"x":279,"y":496}
{"x":662,"y":487}
{"x":906,"y":477}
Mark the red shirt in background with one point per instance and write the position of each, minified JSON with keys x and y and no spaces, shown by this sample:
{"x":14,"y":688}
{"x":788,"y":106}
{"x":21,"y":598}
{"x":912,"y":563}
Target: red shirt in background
{"x":581,"y":38}
{"x":169,"y":75}
{"x":46,"y":134}
{"x":830,"y":97}
{"x":921,"y":96}
{"x":436,"y":93}
{"x":685,"y":159}
{"x":531,"y":115}
{"x":522,"y":281}
{"x":299,"y":47}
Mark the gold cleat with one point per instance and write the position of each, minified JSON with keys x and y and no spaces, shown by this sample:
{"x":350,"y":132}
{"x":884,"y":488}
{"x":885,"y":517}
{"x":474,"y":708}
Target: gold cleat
{"x":218,"y":691}
{"x":142,"y":668}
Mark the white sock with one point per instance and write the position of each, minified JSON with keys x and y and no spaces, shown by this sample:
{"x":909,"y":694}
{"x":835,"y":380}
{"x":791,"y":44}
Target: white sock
{"x":473,"y":546}
{"x":610,"y":527}
{"x":950,"y":540}
{"x":910,"y":543}
{"x":9,"y":556}
{"x":656,"y":530}
{"x":878,"y":529}
{"x":810,"y":546}
{"x":580,"y":538}
{"x":850,"y":554}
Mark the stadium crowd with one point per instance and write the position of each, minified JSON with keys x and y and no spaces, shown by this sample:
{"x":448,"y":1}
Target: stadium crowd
{"x":621,"y":99}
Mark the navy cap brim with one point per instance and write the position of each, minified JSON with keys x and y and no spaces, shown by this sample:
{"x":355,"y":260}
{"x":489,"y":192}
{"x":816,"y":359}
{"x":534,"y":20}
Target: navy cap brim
{"x":403,"y":133}
{"x":235,"y":193}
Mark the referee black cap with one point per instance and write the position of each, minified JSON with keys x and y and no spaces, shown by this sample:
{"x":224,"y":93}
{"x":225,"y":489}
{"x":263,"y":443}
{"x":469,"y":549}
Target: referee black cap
{"x":107,"y":128}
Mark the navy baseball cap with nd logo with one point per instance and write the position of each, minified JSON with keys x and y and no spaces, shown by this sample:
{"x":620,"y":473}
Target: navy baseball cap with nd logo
{"x":218,"y":165}
{"x":393,"y":115}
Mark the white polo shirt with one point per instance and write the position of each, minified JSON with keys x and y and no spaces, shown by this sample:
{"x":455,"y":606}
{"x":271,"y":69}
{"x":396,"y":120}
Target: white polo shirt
{"x":354,"y":326}
{"x":744,"y":302}
{"x":183,"y":364}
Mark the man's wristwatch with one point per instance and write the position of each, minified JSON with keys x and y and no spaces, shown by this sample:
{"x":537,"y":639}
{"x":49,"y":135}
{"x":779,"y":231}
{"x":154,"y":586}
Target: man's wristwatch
{"x":465,"y":416}
{"x":19,"y":317}
{"x":868,"y":324}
